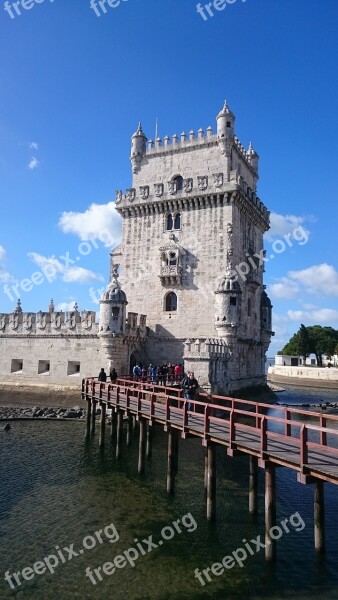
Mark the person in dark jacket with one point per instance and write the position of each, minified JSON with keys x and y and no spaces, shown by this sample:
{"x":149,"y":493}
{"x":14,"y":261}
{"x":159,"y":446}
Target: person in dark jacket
{"x":102,"y":375}
{"x":113,"y":375}
{"x":190,"y":386}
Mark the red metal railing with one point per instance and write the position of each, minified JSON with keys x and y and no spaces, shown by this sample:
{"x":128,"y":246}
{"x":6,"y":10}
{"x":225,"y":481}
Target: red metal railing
{"x":301,"y":429}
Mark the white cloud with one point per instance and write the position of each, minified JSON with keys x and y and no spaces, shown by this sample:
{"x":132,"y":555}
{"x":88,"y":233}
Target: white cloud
{"x":2,"y":253}
{"x":314,"y":316}
{"x":34,"y":163}
{"x":285,"y":288}
{"x":80,"y":275}
{"x":51,"y":267}
{"x":34,"y":146}
{"x":281,"y":225}
{"x":5,"y":276}
{"x":321,"y":278}
{"x":99,"y":221}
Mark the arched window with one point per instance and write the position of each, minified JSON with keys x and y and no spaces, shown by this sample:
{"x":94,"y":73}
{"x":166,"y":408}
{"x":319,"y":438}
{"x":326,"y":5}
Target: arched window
{"x":177,"y":221}
{"x":169,"y":223}
{"x":179,"y":182}
{"x":171,"y":302}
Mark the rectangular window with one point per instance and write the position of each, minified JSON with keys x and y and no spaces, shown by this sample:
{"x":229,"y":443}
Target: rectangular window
{"x":16,"y":365}
{"x":43,"y":367}
{"x":73,"y":368}
{"x":233,"y":300}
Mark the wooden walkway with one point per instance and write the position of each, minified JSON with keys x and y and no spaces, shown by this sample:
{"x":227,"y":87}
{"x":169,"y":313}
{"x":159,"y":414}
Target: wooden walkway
{"x":304,"y":441}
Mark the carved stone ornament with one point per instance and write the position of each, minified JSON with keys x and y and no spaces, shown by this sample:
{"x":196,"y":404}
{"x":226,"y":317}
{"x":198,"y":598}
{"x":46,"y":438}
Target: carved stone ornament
{"x":14,"y":321}
{"x":86,"y":320}
{"x":172,"y":186}
{"x":202,"y":182}
{"x":41,"y":321}
{"x":118,"y":196}
{"x":28,"y":321}
{"x":229,"y":227}
{"x":130,"y":194}
{"x":188,"y":184}
{"x":218,"y":180}
{"x":158,"y":189}
{"x":144,"y":192}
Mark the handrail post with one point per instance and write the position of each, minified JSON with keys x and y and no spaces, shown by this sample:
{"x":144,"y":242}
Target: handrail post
{"x":303,"y":447}
{"x":287,"y":416}
{"x":232,"y":430}
{"x":264,"y":437}
{"x":207,"y":412}
{"x":323,"y":435}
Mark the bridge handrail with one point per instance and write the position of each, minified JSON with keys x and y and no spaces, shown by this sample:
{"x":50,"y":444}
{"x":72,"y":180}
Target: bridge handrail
{"x":262,"y":420}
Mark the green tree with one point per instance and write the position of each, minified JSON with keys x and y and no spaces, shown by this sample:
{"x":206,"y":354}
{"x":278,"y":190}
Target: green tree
{"x":312,"y":340}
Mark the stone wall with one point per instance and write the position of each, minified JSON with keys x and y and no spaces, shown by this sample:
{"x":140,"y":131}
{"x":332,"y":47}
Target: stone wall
{"x":304,"y":376}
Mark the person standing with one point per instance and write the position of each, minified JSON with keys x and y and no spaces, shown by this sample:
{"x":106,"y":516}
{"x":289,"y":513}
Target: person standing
{"x":113,"y":375}
{"x":190,"y":386}
{"x":102,"y":375}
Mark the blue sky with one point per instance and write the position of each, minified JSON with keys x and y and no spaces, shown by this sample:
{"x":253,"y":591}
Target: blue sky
{"x":74,"y":86}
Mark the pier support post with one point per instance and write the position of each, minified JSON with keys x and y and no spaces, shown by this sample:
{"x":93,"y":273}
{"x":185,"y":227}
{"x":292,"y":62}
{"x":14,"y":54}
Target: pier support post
{"x":211,"y":482}
{"x":149,"y":445}
{"x":141,"y":447}
{"x":102,"y":425}
{"x":113,"y":422}
{"x":119,"y":427}
{"x":319,"y":516}
{"x":172,"y":461}
{"x":270,"y":511}
{"x":206,"y":468}
{"x":94,"y":403}
{"x":129,"y":430}
{"x":88,"y":418}
{"x":253,"y":484}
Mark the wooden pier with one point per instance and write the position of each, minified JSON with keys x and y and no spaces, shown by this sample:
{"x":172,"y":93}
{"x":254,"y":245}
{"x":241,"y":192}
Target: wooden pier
{"x":270,"y":435}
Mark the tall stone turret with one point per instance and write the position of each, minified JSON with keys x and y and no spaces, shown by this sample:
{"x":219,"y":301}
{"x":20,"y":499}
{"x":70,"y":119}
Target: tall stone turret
{"x":225,"y":123}
{"x":113,"y":308}
{"x":138,"y":148}
{"x":227,"y":308}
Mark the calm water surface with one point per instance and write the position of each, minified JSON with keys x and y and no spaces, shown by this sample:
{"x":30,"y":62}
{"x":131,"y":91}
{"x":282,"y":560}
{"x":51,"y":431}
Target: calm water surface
{"x":56,"y":490}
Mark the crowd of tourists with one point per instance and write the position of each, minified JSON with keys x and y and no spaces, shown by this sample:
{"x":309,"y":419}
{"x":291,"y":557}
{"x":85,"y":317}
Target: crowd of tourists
{"x":164,"y":374}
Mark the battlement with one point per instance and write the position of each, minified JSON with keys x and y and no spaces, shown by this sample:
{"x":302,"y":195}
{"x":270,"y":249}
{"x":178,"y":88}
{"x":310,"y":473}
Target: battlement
{"x":193,"y":140}
{"x":49,"y":323}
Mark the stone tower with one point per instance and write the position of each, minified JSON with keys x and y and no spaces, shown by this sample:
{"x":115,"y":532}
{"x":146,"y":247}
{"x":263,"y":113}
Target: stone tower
{"x":192,"y":256}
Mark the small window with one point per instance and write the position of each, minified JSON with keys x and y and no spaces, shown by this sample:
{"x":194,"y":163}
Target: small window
{"x":228,"y":123}
{"x":116,"y":312}
{"x":177,"y":221}
{"x":172,"y":259}
{"x":233,"y":300}
{"x":73,"y":367}
{"x":179,"y":182}
{"x":43,"y":366}
{"x":249,"y":307}
{"x":171,"y":302}
{"x":169,"y":223}
{"x":16,"y":365}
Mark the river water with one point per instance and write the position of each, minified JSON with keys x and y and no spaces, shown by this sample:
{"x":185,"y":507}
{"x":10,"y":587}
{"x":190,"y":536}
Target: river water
{"x":57,"y":491}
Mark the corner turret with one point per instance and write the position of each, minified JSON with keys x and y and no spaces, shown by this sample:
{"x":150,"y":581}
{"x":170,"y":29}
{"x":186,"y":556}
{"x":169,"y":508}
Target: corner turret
{"x":113,"y":308}
{"x":225,"y":123}
{"x":138,"y":148}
